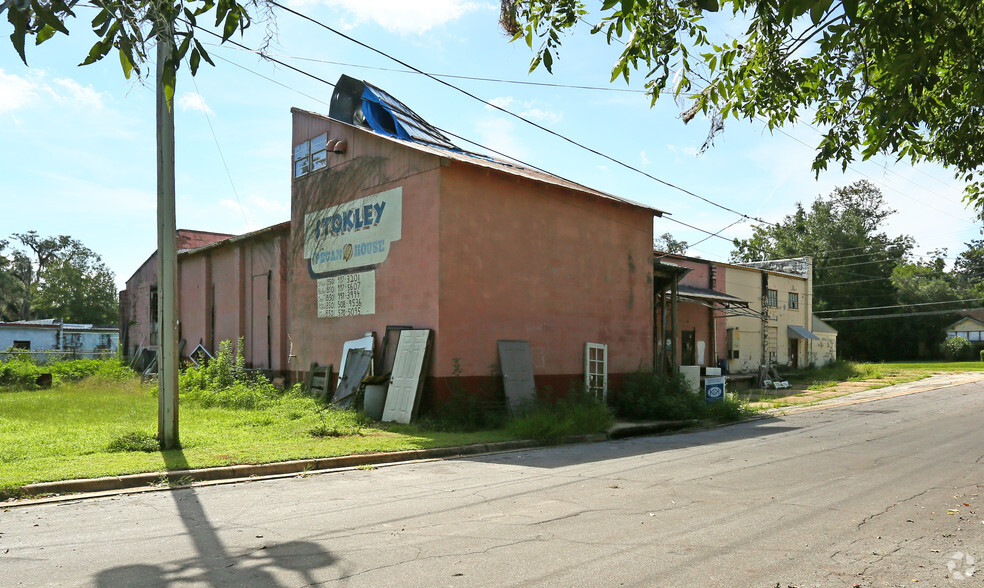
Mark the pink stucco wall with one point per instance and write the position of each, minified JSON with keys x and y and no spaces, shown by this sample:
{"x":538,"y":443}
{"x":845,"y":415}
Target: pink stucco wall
{"x":484,"y":255}
{"x":531,"y":261}
{"x":407,"y":281}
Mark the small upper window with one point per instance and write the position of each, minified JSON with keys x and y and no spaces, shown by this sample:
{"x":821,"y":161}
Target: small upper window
{"x":311,"y":155}
{"x":772,"y":298}
{"x":21,"y":344}
{"x":794,"y":300}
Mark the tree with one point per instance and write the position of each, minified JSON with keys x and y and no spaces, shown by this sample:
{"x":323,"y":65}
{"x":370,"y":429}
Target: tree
{"x":667,"y":244}
{"x":881,"y":76}
{"x":853,"y":262}
{"x":28,"y":267}
{"x":56,"y":277}
{"x":132,"y":26}
{"x":79,"y":288}
{"x":12,"y":293}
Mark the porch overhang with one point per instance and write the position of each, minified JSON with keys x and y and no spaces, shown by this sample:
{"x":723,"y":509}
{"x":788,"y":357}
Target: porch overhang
{"x":795,"y":332}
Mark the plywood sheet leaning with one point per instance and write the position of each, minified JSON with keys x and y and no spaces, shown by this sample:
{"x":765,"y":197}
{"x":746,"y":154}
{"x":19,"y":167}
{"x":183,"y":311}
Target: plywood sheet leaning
{"x":403,"y":395}
{"x":516,"y":363}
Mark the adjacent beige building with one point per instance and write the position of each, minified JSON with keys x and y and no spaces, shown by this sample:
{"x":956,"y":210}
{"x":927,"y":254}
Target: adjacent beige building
{"x":785,"y":333}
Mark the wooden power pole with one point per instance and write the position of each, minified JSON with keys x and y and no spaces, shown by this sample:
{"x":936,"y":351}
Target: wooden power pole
{"x":167,"y":255}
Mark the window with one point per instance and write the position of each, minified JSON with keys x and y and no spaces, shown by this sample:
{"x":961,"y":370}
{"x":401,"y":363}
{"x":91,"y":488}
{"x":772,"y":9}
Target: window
{"x":772,"y":344}
{"x":21,"y":345}
{"x":794,"y":301}
{"x":732,"y":343}
{"x":311,"y":155}
{"x":772,"y":298}
{"x":596,"y":370}
{"x":72,"y":341}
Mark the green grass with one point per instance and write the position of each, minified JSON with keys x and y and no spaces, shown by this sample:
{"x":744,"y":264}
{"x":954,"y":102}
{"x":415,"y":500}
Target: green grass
{"x":102,"y":428}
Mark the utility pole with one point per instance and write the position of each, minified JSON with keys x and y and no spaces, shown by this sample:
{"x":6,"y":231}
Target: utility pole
{"x":167,"y":254}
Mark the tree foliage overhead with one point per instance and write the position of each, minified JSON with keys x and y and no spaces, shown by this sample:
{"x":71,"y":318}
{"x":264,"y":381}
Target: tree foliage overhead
{"x":129,"y":28}
{"x":55,"y":277}
{"x":892,"y":77}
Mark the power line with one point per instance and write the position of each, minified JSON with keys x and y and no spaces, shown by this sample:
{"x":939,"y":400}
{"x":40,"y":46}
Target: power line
{"x":448,"y":76}
{"x":898,"y":306}
{"x":514,"y":115}
{"x":900,"y":314}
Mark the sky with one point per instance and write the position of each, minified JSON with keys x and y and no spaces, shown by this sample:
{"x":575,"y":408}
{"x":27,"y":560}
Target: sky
{"x":77,"y":144}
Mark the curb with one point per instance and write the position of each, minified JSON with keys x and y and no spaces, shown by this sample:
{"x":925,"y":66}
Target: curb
{"x":174,"y":478}
{"x":181,"y":477}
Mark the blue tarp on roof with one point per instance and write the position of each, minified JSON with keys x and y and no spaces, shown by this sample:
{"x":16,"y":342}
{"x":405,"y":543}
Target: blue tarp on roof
{"x":388,"y":116}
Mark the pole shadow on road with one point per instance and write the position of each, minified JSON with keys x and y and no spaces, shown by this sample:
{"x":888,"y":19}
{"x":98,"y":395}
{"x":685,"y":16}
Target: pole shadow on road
{"x":214,"y":564}
{"x":556,"y":457}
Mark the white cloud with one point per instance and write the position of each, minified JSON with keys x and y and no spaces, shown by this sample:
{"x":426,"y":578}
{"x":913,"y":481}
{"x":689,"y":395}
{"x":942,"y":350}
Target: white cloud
{"x":643,"y":158}
{"x":400,"y":16}
{"x":501,"y":102}
{"x":691,"y":151}
{"x":500,"y":134}
{"x":527,"y":109}
{"x":194,"y":101}
{"x":15,"y":92}
{"x":18,"y":92}
{"x":541,"y":115}
{"x":79,"y":94}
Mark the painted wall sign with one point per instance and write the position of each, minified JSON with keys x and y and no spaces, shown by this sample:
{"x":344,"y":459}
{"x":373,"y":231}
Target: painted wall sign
{"x":354,"y":235}
{"x":347,"y":295}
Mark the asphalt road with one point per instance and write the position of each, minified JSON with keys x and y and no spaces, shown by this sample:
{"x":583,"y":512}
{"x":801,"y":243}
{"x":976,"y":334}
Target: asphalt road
{"x":883,"y":493}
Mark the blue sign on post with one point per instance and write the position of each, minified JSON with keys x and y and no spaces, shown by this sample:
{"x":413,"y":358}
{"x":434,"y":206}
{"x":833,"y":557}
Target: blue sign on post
{"x":714,"y":389}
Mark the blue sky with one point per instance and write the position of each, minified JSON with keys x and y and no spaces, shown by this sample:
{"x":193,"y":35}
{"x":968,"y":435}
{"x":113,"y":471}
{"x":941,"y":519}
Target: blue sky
{"x":77,"y":143}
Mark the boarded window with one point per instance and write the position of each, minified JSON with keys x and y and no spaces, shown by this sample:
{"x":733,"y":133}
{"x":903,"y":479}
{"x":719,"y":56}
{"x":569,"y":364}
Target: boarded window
{"x":794,"y":301}
{"x":733,"y":341}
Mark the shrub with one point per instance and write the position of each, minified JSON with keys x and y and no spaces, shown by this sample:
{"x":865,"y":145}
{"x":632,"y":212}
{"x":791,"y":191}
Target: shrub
{"x":957,"y":349}
{"x":466,"y":411}
{"x":645,"y":395}
{"x":550,"y":421}
{"x":21,"y":372}
{"x":134,"y":441}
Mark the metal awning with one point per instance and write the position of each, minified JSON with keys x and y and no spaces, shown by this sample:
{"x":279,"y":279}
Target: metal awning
{"x":795,"y":332}
{"x":726,"y":303}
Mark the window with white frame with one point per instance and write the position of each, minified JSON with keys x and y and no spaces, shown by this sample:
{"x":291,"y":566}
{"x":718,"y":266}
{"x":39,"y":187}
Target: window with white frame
{"x":596,"y":370}
{"x":311,"y":155}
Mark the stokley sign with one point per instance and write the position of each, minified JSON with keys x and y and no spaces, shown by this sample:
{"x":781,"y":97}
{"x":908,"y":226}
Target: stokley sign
{"x":353,"y":236}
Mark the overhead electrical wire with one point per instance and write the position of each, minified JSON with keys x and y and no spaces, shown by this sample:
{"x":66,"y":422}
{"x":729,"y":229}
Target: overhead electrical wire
{"x":514,"y":115}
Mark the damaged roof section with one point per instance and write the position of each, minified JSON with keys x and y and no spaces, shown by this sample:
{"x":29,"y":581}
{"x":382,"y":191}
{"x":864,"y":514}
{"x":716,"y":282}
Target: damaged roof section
{"x":361,"y":104}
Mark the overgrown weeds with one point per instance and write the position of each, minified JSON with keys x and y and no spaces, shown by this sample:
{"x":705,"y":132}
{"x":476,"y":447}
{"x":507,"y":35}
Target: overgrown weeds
{"x":22,"y":372}
{"x":647,"y":396}
{"x":550,"y":420}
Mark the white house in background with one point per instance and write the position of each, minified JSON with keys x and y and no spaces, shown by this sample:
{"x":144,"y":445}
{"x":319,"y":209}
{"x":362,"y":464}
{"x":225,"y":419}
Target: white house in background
{"x":967,"y":327}
{"x":52,"y":337}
